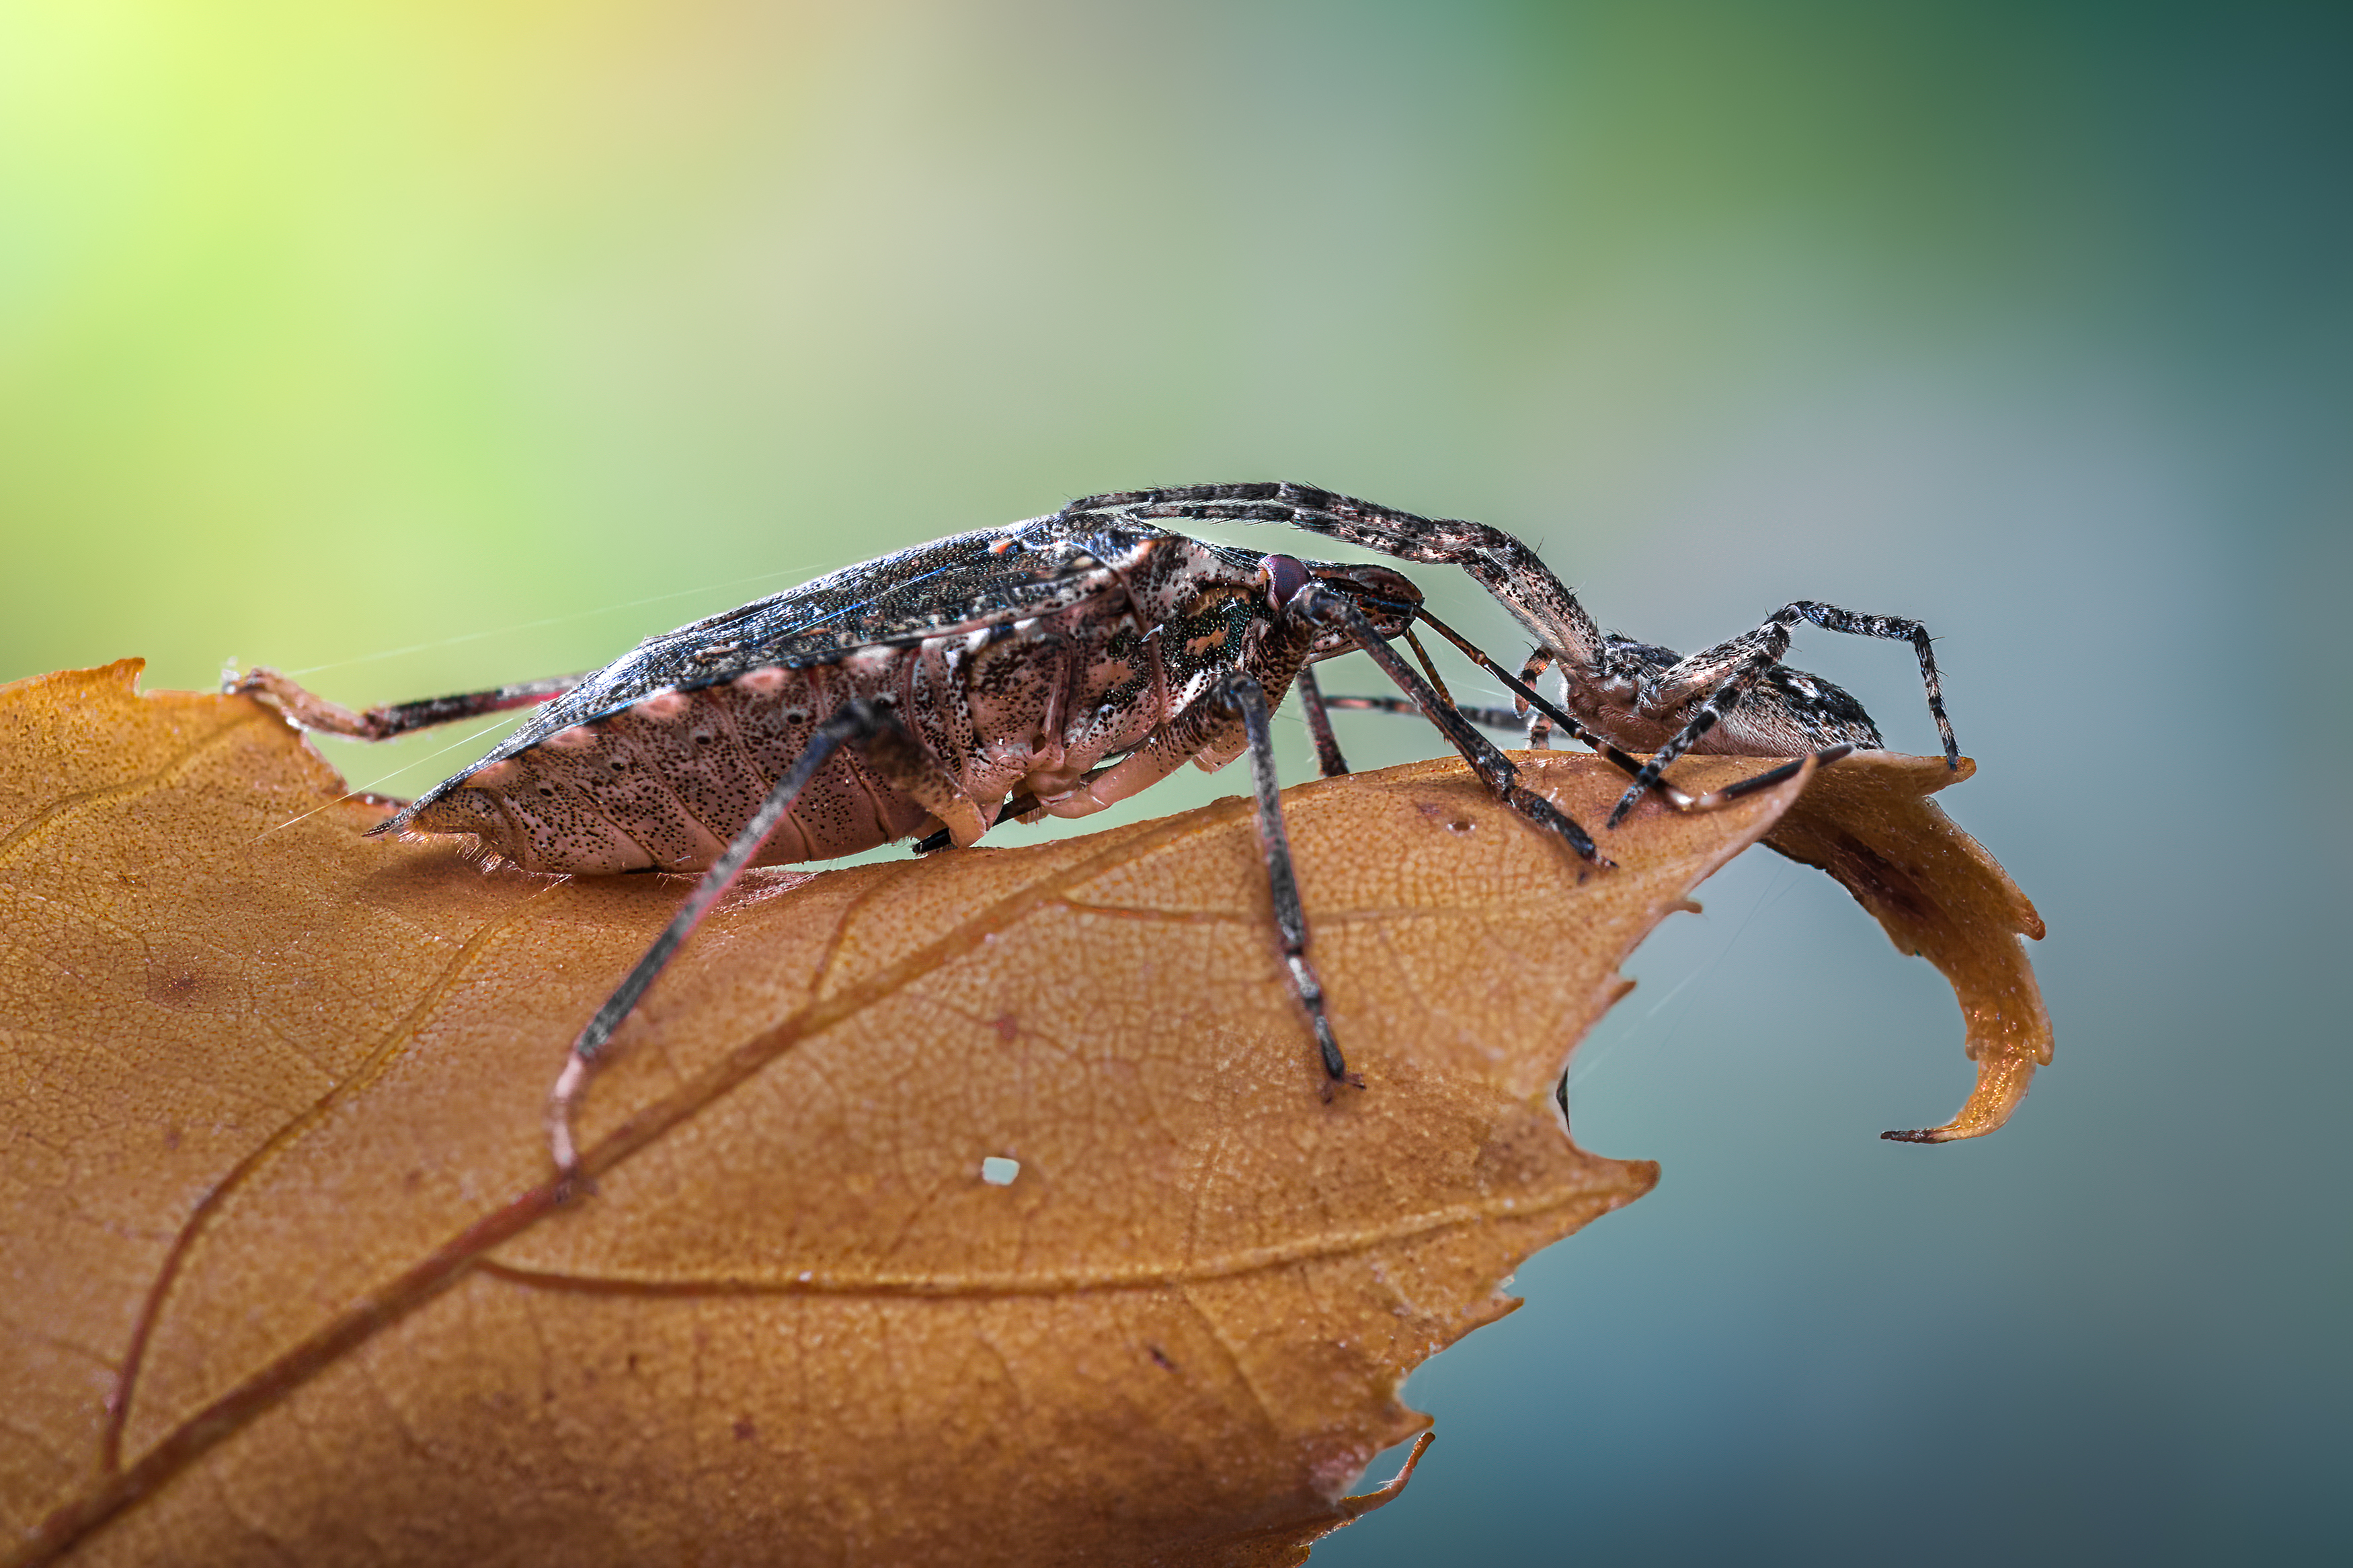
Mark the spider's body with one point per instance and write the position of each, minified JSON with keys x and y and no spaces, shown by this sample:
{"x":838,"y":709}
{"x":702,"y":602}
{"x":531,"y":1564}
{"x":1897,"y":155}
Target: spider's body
{"x":1786,"y":711}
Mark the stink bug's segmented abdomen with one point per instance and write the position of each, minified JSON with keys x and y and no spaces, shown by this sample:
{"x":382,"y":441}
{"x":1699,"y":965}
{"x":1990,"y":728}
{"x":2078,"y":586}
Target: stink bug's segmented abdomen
{"x":664,"y":784}
{"x":1026,"y":706}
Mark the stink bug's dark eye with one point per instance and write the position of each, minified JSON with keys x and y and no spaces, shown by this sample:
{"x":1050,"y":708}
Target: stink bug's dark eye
{"x":1285,"y":577}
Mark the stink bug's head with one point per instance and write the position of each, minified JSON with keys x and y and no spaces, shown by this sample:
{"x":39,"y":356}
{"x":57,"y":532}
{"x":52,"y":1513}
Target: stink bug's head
{"x":1389,"y":599}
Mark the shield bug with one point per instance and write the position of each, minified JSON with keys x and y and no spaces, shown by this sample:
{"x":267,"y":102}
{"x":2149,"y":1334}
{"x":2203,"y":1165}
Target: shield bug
{"x":1052,"y":667}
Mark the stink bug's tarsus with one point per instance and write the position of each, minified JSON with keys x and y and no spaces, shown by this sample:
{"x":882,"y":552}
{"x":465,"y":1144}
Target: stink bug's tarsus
{"x":1053,"y":667}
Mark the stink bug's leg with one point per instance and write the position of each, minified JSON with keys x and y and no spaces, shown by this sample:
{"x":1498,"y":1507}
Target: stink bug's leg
{"x":306,"y":711}
{"x":1319,"y":724}
{"x":1512,"y":723}
{"x":1282,"y":881}
{"x":1492,"y":766}
{"x":855,"y":723}
{"x":1014,"y":810}
{"x":1727,"y":670}
{"x":1501,"y":719}
{"x":893,"y":757}
{"x":1428,"y":669}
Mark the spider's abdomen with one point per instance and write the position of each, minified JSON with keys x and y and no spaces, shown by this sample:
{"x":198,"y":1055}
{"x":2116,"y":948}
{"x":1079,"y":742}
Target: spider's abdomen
{"x":1789,"y":712}
{"x":1786,"y":714}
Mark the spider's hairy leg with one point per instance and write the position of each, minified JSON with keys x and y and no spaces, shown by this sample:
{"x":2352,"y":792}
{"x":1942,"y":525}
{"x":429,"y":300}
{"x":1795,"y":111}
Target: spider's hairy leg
{"x":1798,"y":712}
{"x":1493,"y":559}
{"x":1830,"y":618}
{"x":1540,"y":722}
{"x":1505,"y":720}
{"x":1730,"y":670}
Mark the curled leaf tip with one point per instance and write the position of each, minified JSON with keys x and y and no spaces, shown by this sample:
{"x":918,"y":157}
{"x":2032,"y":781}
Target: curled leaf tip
{"x":1939,"y":896}
{"x":1387,"y":1491}
{"x":2002,"y":1083}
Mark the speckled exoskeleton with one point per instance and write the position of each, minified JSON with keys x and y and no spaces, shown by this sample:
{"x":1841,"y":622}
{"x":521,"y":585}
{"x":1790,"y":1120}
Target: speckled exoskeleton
{"x":1052,"y":667}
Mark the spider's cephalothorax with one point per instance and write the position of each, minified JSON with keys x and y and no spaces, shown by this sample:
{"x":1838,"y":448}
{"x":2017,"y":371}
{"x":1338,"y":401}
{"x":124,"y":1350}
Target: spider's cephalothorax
{"x":1052,"y":667}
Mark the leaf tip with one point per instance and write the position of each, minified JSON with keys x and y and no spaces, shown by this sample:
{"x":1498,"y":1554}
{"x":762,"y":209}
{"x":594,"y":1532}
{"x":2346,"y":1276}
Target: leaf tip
{"x":2002,"y":1084}
{"x":1387,"y":1491}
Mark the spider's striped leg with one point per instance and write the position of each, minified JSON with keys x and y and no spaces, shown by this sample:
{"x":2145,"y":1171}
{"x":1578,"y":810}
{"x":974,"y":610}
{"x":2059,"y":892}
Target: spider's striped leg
{"x":1729,"y":672}
{"x":1539,"y":721}
{"x":1493,"y":559}
{"x":1796,"y":706}
{"x":1505,"y":720}
{"x":1830,"y":618}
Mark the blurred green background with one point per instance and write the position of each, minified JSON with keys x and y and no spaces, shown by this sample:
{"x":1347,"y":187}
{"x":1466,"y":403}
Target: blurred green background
{"x":420,"y":346}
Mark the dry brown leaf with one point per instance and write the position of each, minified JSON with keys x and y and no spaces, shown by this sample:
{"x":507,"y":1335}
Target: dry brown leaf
{"x":285,"y":1281}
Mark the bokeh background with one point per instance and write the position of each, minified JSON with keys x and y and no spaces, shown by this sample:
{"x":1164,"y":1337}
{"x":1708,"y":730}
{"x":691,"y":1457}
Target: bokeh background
{"x":420,"y":346}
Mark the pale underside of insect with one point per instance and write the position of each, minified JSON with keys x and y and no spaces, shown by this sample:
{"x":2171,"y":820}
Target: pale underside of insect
{"x":1053,"y":667}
